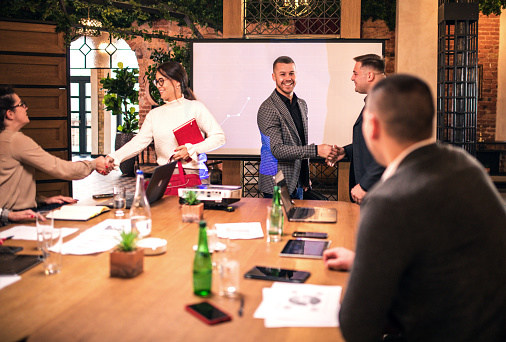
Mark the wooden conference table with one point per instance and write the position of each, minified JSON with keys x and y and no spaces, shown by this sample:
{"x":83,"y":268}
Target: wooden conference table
{"x":83,"y":303}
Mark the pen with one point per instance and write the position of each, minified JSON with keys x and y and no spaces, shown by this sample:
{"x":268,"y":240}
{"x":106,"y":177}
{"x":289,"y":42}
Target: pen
{"x":241,"y":307}
{"x":7,"y":238}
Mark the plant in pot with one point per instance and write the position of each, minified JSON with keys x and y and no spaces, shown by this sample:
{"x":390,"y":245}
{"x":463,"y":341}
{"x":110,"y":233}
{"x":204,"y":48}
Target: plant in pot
{"x":121,"y":98}
{"x":192,"y":210}
{"x":127,"y":260}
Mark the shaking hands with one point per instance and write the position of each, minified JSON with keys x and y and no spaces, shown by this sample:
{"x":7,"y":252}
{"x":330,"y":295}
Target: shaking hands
{"x":331,"y":153}
{"x":104,"y":165}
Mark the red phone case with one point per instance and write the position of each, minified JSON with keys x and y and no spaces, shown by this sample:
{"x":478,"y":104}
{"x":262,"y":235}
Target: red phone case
{"x":197,"y":314}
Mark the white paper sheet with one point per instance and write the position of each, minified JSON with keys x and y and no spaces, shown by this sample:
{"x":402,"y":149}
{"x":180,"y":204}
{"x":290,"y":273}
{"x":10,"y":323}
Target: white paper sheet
{"x":299,"y":305}
{"x":240,"y":230}
{"x":6,"y":280}
{"x":99,"y":238}
{"x":30,"y":232}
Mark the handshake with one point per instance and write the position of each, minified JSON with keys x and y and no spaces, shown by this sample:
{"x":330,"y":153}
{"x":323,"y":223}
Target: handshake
{"x":331,"y":153}
{"x":104,"y":165}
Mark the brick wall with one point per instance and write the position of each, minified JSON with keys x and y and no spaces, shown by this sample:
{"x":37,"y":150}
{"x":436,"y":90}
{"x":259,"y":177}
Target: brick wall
{"x":378,"y":30}
{"x":488,"y":55}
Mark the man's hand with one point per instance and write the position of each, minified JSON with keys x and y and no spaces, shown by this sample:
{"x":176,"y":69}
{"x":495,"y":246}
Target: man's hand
{"x":181,"y":153}
{"x":59,"y":199}
{"x":358,"y":194}
{"x":337,"y":155}
{"x":326,"y":151}
{"x":338,"y":259}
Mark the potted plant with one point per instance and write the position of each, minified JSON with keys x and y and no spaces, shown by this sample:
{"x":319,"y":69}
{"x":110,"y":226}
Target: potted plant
{"x":127,"y":260}
{"x":192,"y":210}
{"x":121,"y":98}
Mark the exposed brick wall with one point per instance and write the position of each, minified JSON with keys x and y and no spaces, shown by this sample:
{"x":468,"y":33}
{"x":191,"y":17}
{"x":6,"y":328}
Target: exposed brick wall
{"x":378,"y":29}
{"x":488,"y":55}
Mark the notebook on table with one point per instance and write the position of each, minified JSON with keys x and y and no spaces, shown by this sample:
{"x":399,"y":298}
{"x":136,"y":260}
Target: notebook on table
{"x":156,"y":188}
{"x":302,"y":214}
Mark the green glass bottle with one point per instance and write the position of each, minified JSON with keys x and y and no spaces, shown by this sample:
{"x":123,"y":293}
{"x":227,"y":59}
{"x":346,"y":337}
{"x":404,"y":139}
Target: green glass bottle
{"x":275,"y":229}
{"x":202,"y":265}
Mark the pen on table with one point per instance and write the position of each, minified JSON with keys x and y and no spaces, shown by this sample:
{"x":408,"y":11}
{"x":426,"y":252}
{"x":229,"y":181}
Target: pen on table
{"x":241,"y":307}
{"x":7,"y":238}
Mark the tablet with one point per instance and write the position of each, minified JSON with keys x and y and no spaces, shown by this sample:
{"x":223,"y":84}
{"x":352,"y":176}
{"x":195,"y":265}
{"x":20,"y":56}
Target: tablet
{"x":17,"y":264}
{"x":305,"y":249}
{"x":277,"y":274}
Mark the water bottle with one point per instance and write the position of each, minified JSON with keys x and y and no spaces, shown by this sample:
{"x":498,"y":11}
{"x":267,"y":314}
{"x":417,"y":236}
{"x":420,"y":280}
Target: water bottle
{"x":203,"y":171}
{"x":140,"y":213}
{"x":202,"y":265}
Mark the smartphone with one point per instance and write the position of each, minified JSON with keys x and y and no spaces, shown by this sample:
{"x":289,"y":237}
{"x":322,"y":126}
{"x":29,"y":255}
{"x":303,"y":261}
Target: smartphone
{"x":310,"y":235}
{"x":277,"y":274}
{"x":99,"y":196}
{"x":208,"y":313}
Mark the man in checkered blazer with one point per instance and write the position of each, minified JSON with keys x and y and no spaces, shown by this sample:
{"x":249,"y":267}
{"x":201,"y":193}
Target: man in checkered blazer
{"x":282,"y":120}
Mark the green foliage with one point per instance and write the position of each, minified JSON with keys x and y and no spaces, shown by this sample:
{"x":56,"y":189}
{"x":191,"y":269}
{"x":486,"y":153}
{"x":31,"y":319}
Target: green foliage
{"x":190,"y":198}
{"x":127,"y":241}
{"x":492,"y":6}
{"x":380,"y":10}
{"x":121,"y":95}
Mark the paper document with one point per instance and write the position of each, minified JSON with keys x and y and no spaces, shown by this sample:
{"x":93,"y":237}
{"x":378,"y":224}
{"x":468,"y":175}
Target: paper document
{"x":30,"y":232}
{"x":6,"y":280}
{"x":244,"y":230}
{"x":299,"y":305}
{"x":99,"y":238}
{"x":78,"y":212}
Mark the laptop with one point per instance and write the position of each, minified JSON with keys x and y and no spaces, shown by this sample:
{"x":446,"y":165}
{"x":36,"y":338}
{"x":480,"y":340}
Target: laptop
{"x":156,"y":187}
{"x":302,"y":214}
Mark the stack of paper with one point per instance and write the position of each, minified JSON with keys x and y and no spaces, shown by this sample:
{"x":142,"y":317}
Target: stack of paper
{"x":30,"y":232}
{"x":299,"y":305}
{"x":100,"y":238}
{"x":240,"y":230}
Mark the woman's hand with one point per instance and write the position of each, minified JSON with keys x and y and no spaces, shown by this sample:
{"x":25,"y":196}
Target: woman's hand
{"x":59,"y":199}
{"x":21,"y":215}
{"x":181,"y":153}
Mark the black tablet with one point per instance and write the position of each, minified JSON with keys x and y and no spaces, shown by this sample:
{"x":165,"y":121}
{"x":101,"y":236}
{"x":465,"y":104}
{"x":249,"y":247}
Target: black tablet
{"x":305,"y":249}
{"x":16,"y":264}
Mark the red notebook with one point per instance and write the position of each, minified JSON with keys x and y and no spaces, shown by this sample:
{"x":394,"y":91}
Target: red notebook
{"x":188,"y":132}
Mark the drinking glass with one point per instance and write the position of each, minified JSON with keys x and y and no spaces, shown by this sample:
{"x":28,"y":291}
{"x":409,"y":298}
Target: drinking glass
{"x":51,"y":250}
{"x":274,"y":224}
{"x":43,"y":222}
{"x":119,"y":201}
{"x":227,"y":266}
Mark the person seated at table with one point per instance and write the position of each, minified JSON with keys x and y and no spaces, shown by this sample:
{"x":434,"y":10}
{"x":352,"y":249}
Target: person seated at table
{"x":431,"y":247}
{"x":20,"y":156}
{"x":180,"y":107}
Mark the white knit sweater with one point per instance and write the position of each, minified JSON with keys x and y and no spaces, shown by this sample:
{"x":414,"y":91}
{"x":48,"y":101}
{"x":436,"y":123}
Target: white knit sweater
{"x":158,"y":127}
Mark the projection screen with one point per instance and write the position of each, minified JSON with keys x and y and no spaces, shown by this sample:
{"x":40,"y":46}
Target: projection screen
{"x":233,"y":77}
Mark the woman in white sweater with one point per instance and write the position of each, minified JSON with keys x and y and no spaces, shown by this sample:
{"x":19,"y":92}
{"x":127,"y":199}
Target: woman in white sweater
{"x":180,"y":107}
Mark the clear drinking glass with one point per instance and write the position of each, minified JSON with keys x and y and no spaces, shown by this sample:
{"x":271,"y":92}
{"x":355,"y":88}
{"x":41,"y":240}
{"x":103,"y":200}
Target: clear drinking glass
{"x":43,"y":222}
{"x":119,"y":201}
{"x":51,"y":250}
{"x":274,"y":224}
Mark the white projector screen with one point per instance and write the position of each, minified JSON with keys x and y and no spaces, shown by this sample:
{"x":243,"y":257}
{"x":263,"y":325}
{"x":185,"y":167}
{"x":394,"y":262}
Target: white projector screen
{"x":233,"y":77}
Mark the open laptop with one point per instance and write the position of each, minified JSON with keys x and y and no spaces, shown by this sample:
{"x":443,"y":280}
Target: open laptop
{"x":302,"y":214}
{"x":156,"y":187}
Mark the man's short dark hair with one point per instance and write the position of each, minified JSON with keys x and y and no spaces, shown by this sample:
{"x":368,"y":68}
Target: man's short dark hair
{"x":372,"y":61}
{"x":404,"y":104}
{"x":283,"y":60}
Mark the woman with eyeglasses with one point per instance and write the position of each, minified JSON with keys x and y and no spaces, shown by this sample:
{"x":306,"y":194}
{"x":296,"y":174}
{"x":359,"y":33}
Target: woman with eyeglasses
{"x":20,"y":156}
{"x":180,"y":107}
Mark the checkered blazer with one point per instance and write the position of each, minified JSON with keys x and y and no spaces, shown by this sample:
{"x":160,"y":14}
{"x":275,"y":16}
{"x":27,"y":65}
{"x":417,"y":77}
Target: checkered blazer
{"x":281,"y":145}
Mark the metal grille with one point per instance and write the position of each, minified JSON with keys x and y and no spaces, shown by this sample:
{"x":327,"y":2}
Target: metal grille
{"x":457,"y":89}
{"x":292,"y":17}
{"x":323,"y":179}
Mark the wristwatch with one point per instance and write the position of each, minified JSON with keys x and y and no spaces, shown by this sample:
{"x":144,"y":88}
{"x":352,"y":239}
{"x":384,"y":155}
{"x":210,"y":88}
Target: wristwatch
{"x":4,"y":216}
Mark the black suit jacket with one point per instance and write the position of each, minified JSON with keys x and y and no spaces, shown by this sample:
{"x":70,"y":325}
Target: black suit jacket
{"x":364,"y":170}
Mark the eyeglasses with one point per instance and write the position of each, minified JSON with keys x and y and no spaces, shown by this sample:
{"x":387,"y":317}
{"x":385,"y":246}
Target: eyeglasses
{"x":159,"y":82}
{"x":21,"y":104}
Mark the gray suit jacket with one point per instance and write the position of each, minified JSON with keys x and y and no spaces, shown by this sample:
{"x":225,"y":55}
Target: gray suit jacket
{"x":282,"y":147}
{"x":431,"y":253}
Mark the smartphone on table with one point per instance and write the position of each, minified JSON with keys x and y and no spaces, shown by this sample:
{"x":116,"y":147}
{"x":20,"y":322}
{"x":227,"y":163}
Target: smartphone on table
{"x":310,"y":235}
{"x":277,"y":274}
{"x":208,"y":313}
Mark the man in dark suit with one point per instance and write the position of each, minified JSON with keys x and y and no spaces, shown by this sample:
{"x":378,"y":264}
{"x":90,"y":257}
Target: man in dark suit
{"x":282,"y":120}
{"x":364,"y":171}
{"x":430,"y":259}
